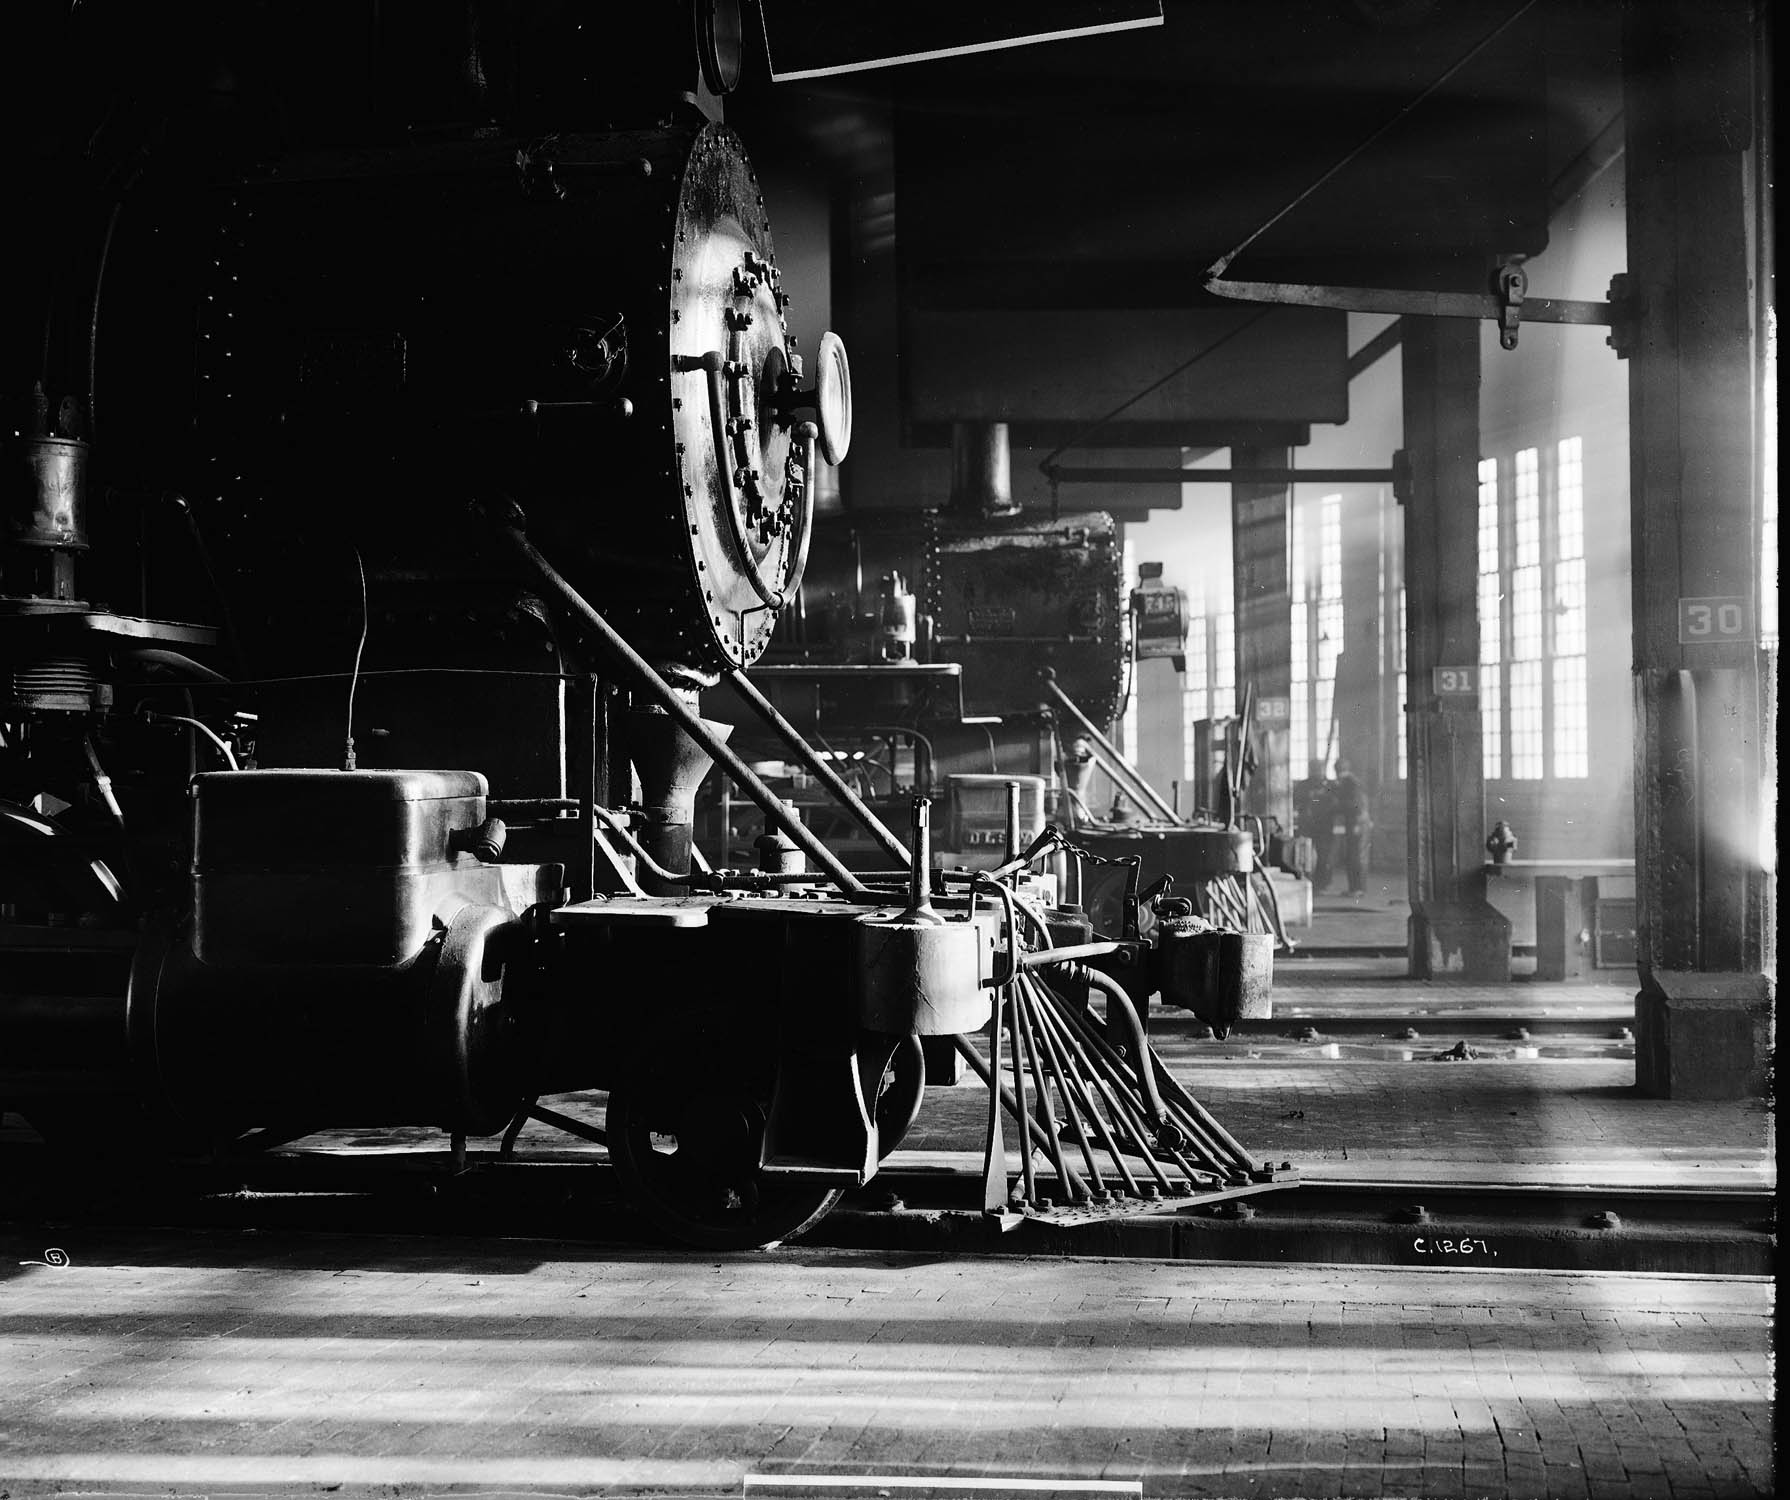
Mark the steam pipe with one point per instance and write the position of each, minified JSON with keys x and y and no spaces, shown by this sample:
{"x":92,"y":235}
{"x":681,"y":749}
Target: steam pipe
{"x":507,"y":525}
{"x":1043,"y":958}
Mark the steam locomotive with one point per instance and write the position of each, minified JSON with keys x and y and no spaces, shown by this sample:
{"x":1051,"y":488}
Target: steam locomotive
{"x":959,"y":649}
{"x":404,"y":439}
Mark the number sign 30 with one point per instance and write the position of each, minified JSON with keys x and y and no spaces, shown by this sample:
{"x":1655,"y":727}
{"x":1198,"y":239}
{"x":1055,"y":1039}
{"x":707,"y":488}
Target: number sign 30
{"x":1714,"y":621}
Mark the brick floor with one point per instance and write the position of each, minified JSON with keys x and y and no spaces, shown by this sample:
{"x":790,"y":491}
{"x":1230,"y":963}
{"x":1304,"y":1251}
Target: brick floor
{"x":267,"y":1363}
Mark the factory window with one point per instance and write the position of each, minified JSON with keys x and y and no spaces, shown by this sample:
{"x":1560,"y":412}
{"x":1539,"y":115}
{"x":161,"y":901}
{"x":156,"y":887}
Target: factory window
{"x":1208,"y":689}
{"x":1525,"y":622}
{"x":1330,"y":617}
{"x":1196,"y":692}
{"x":1404,"y":729}
{"x":1768,"y":508}
{"x":1299,"y":709}
{"x":1317,"y":627}
{"x":1532,"y":605}
{"x":1390,"y":633}
{"x":1224,"y":664}
{"x":1572,"y":724}
{"x":1491,"y":626}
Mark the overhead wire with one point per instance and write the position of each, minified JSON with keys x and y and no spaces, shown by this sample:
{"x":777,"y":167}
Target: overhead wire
{"x":1217,"y":269}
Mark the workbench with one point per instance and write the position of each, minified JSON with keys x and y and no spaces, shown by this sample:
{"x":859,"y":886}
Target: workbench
{"x":1582,"y":912}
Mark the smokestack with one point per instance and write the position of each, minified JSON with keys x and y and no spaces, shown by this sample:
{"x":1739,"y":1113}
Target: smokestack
{"x":981,"y":470}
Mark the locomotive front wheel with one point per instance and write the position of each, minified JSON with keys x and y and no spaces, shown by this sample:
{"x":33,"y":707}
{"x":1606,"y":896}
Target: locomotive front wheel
{"x":689,"y":1162}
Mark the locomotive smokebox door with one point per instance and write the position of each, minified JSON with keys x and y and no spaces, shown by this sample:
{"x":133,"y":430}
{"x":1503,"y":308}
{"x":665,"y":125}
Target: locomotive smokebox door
{"x":745,"y":455}
{"x":638,"y":394}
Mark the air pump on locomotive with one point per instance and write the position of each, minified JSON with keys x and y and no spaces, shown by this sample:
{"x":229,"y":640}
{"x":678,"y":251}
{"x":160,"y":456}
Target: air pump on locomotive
{"x":380,"y":502}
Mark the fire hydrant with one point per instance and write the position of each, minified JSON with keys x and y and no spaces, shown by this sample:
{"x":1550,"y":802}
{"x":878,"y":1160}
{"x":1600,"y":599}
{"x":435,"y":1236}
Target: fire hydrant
{"x":1502,"y":843}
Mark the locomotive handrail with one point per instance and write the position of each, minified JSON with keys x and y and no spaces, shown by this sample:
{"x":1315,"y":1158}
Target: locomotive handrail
{"x":1043,"y":958}
{"x":620,"y":829}
{"x":1122,"y":771}
{"x":508,"y":524}
{"x":825,"y":774}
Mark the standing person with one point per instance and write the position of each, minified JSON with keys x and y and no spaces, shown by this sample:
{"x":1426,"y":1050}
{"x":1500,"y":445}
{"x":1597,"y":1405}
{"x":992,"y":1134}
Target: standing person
{"x":1349,"y":802}
{"x":1313,"y":815}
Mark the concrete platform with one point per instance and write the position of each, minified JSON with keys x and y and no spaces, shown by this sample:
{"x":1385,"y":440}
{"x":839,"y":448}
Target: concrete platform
{"x":193,"y":1364}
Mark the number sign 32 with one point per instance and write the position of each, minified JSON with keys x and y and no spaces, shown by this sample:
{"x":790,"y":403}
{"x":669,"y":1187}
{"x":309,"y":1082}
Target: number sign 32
{"x":1707,"y":622}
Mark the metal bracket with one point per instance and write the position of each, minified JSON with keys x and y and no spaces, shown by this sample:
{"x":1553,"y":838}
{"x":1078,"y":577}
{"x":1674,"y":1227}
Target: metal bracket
{"x":1511,"y":287}
{"x":1507,"y":306}
{"x":1401,"y":476}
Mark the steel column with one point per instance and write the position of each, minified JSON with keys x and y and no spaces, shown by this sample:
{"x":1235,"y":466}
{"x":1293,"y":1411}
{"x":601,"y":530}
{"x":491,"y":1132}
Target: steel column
{"x":1698,"y":211}
{"x":1455,"y":933}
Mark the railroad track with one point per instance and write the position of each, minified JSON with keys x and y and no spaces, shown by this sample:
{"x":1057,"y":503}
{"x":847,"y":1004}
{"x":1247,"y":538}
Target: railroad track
{"x":572,"y":1194}
{"x":1722,"y":1231}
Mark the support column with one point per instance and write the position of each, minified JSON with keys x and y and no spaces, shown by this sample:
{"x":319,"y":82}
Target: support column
{"x":1455,"y":932}
{"x":1695,"y":210}
{"x":1264,"y":626}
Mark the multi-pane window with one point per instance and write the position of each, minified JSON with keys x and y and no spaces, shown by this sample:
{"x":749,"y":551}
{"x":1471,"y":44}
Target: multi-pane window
{"x":1400,"y":646}
{"x":1299,"y":709}
{"x":1768,"y":509}
{"x":1491,"y":640}
{"x":1533,"y":632}
{"x":1526,"y":622}
{"x":1572,"y":724}
{"x":1196,"y":682}
{"x":1224,"y":664}
{"x":1330,"y":620}
{"x":1317,"y":626}
{"x":1390,"y":632}
{"x":1209,"y":687}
